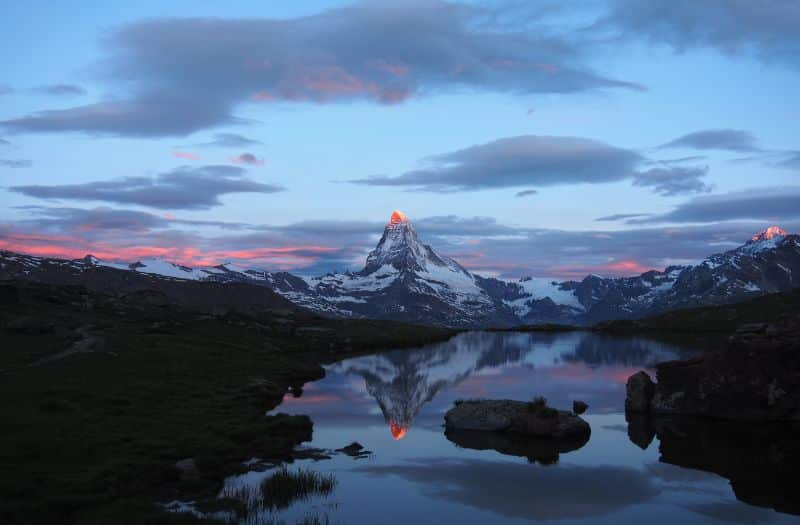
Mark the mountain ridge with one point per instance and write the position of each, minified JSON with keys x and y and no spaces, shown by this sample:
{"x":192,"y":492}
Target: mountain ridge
{"x":404,"y":279}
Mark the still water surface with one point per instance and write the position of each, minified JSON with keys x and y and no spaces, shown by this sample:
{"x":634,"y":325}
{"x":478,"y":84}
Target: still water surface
{"x":393,"y":403}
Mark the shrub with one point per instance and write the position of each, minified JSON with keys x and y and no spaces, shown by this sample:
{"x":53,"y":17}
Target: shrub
{"x":537,"y":404}
{"x":285,"y":487}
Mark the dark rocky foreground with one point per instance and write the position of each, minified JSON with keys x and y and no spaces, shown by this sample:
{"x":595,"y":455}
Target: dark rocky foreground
{"x":760,"y":460}
{"x":112,"y":402}
{"x":756,"y":378}
{"x":533,"y":419}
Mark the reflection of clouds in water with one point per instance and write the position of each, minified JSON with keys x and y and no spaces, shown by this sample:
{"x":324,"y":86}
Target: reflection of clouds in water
{"x":735,"y":512}
{"x":525,"y":491}
{"x":672,"y":474}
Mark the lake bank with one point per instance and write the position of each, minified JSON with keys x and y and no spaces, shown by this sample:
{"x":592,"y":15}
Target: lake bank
{"x":95,"y":437}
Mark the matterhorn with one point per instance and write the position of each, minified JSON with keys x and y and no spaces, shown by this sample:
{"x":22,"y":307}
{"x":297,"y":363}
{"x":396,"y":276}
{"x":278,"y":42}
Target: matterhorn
{"x":404,"y":279}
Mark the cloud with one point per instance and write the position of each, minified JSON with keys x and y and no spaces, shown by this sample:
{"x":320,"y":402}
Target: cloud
{"x":680,"y":160}
{"x":149,"y":115}
{"x":716,"y":139}
{"x":187,"y":155}
{"x":128,"y":235}
{"x":454,"y":226}
{"x":382,"y":53}
{"x":60,"y":90}
{"x":182,"y":188}
{"x":518,"y":161}
{"x":792,"y":162}
{"x":228,"y":140}
{"x":529,"y":160}
{"x":316,"y":247}
{"x":6,"y":163}
{"x":766,"y":30}
{"x":4,"y":142}
{"x":673,"y":181}
{"x":247,"y":158}
{"x":621,"y":216}
{"x":767,"y":204}
{"x":76,"y":220}
{"x":526,"y":193}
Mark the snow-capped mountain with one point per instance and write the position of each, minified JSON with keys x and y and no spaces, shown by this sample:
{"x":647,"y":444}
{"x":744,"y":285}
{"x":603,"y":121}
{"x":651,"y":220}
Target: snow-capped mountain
{"x":767,"y":263}
{"x":406,"y":280}
{"x":403,"y":279}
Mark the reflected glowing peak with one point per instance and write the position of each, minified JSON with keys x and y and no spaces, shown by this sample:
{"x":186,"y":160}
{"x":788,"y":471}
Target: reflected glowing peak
{"x":398,"y":432}
{"x":770,"y":233}
{"x":398,"y":217}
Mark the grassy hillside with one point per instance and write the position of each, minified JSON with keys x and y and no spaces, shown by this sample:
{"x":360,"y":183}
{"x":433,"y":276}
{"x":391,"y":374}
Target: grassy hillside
{"x":714,"y":319}
{"x":101,"y":395}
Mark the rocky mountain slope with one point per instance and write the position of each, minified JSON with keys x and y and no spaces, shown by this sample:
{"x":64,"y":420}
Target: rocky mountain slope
{"x":406,"y":280}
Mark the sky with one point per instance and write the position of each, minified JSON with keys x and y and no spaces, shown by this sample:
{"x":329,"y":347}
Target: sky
{"x":522,"y":138}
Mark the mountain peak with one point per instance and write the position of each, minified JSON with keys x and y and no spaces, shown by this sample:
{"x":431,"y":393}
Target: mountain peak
{"x":769,"y":234}
{"x":399,"y":246}
{"x":398,"y":217}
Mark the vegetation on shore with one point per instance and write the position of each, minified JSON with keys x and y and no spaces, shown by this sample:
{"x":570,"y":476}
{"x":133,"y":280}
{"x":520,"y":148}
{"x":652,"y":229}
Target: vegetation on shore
{"x":105,"y":396}
{"x":719,"y":319}
{"x":285,"y":487}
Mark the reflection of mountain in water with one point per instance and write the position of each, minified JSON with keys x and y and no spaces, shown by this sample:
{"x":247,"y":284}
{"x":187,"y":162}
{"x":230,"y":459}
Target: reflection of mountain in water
{"x":629,"y":351}
{"x":402,"y":381}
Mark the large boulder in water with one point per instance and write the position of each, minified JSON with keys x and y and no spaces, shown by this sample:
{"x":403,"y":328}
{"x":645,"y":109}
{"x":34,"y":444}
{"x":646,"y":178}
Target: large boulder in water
{"x":504,"y":415}
{"x":640,"y":390}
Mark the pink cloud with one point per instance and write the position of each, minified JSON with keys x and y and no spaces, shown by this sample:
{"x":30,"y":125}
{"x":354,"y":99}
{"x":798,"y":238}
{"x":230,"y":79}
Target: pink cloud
{"x":74,"y":247}
{"x":263,"y":96}
{"x":187,"y":155}
{"x":612,"y":269}
{"x":396,"y":69}
{"x":247,"y":158}
{"x":325,"y":83}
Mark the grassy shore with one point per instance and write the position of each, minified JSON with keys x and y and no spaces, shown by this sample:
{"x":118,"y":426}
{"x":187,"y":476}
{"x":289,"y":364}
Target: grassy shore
{"x":103,"y":397}
{"x":719,"y":319}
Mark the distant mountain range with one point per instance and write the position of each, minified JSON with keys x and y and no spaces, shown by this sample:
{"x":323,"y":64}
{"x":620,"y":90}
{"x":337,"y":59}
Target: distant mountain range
{"x":406,"y":280}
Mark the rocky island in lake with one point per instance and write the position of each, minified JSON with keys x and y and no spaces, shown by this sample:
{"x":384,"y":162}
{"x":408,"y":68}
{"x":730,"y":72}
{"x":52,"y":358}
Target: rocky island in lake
{"x":534,"y":419}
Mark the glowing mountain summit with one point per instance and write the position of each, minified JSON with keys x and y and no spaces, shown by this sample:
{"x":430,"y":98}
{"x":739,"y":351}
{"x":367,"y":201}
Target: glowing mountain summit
{"x":398,"y":217}
{"x":769,"y":234}
{"x":401,"y":248}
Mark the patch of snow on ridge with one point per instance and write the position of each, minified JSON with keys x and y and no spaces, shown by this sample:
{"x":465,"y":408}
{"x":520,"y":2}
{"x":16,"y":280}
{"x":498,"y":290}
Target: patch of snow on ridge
{"x":375,"y":281}
{"x":457,"y":282}
{"x":167,"y":269}
{"x":539,"y":288}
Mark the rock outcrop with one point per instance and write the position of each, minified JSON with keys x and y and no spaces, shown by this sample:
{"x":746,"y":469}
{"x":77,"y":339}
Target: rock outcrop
{"x":639,"y":390}
{"x":757,"y":378}
{"x":518,"y":417}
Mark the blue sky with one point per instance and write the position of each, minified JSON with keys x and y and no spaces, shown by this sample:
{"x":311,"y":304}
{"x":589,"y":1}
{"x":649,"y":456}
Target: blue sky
{"x":447,"y":116}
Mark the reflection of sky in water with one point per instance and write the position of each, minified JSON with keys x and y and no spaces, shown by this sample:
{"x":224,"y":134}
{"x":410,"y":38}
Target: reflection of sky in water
{"x":424,"y":478}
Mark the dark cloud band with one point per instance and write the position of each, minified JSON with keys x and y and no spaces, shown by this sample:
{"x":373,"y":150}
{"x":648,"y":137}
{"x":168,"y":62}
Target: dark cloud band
{"x":182,"y":188}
